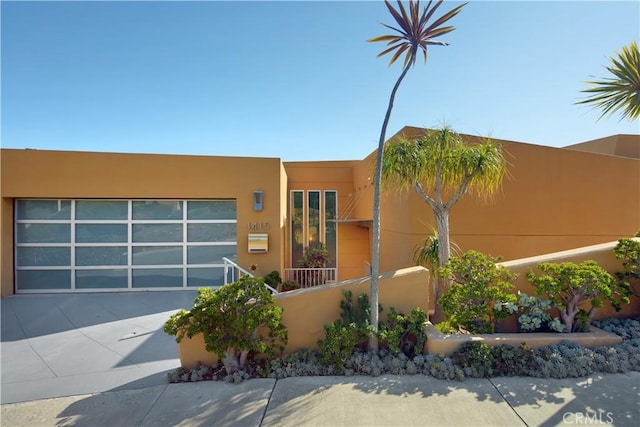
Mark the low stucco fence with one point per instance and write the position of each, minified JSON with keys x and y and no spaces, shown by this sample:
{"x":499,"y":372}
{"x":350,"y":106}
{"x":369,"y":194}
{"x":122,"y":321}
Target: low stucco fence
{"x":602,"y":254}
{"x":306,"y":311}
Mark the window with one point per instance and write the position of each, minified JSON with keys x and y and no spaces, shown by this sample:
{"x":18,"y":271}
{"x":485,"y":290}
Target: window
{"x":122,"y":244}
{"x":314,"y":221}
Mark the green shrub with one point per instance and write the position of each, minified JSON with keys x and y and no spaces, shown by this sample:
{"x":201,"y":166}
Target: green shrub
{"x":479,"y":289}
{"x":288,"y":285}
{"x":569,"y":286}
{"x":628,"y":251}
{"x":404,"y":334}
{"x":343,"y":335}
{"x":273,"y":279}
{"x":236,"y":319}
{"x":445,"y":327}
{"x":400,"y":334}
{"x":339,"y":343}
{"x":314,"y":256}
{"x":475,"y":358}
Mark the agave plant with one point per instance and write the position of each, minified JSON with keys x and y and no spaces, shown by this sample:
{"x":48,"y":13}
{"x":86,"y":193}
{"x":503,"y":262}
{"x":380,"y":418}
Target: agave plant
{"x":621,"y":91}
{"x":414,"y":32}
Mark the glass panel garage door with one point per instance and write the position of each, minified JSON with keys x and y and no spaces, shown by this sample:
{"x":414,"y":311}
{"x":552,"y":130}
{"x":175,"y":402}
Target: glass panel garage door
{"x":77,"y":245}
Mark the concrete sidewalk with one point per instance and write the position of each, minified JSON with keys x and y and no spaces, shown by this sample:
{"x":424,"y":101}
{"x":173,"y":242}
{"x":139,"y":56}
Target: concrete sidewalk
{"x":349,"y":401}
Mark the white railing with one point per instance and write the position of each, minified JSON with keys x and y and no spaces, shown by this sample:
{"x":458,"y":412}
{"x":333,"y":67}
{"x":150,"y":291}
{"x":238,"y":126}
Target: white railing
{"x":233,"y":272}
{"x":309,"y":277}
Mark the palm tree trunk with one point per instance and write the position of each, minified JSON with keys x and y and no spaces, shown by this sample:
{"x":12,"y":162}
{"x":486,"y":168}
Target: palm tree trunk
{"x":375,"y":255}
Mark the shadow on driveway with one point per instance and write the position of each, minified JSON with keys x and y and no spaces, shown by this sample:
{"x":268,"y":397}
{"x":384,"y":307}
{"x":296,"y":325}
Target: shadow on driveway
{"x":54,"y":344}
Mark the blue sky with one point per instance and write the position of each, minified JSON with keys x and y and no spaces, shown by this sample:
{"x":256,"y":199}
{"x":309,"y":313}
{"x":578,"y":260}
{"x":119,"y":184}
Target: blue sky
{"x":296,"y":80}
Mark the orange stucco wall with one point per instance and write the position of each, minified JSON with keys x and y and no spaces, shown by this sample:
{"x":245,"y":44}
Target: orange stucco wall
{"x":57,"y":174}
{"x":555,"y":199}
{"x":353,"y":239}
{"x":306,"y":311}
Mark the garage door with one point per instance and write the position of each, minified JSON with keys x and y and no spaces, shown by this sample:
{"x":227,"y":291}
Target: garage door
{"x":89,"y":245}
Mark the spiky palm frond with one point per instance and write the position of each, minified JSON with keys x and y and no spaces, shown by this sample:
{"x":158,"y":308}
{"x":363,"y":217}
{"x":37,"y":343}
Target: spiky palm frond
{"x":621,"y":92}
{"x":414,"y":30}
{"x":426,"y":252}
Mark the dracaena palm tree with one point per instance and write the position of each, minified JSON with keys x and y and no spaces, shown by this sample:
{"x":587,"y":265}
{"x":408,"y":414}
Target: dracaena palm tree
{"x":414,"y":32}
{"x":441,"y":168}
{"x":619,"y":92}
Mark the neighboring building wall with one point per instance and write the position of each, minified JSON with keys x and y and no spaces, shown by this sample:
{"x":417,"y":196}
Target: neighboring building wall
{"x":76,"y":175}
{"x":616,"y":145}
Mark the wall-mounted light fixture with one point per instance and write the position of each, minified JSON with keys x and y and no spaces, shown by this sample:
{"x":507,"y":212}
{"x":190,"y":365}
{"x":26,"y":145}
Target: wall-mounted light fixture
{"x":258,"y":200}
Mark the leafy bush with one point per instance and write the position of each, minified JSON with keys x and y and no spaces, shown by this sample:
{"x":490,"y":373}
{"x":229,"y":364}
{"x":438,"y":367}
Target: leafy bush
{"x":628,"y":251}
{"x":343,"y":335}
{"x":404,"y":334}
{"x":314,"y":256}
{"x":288,"y":285}
{"x":339,"y":343}
{"x":273,"y":279}
{"x":235,"y":320}
{"x":475,"y":358}
{"x":399,"y":335}
{"x":569,"y":285}
{"x":534,"y":315}
{"x":445,"y":327}
{"x":478,"y":291}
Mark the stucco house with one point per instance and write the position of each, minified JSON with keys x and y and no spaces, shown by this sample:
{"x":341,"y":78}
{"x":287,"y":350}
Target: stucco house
{"x":89,"y":221}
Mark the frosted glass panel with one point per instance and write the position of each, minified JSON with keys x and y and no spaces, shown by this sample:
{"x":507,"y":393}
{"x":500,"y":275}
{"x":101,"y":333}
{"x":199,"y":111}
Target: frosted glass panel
{"x":43,"y":279}
{"x":101,"y":210}
{"x":157,"y":232}
{"x":101,"y":279}
{"x":157,"y":210}
{"x":210,"y":254}
{"x":211,"y":209}
{"x":108,"y":255}
{"x":211,"y":232}
{"x":157,"y":255}
{"x":157,"y":278}
{"x":203,"y":277}
{"x":36,"y":256}
{"x":44,"y":209}
{"x":101,"y":233}
{"x":43,"y":233}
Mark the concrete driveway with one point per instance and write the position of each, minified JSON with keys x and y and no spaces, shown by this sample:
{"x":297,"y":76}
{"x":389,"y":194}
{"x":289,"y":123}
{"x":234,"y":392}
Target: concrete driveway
{"x":66,"y":344}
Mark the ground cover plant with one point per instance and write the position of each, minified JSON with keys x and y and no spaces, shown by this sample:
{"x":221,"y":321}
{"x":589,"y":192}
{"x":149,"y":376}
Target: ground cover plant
{"x":473,"y":360}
